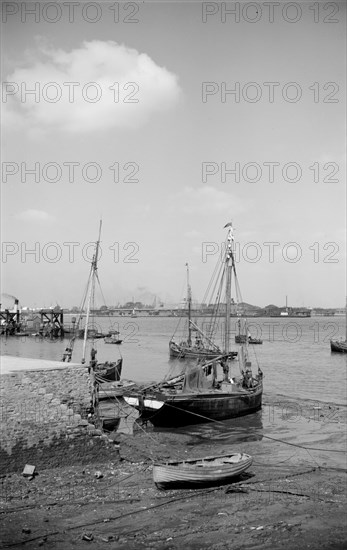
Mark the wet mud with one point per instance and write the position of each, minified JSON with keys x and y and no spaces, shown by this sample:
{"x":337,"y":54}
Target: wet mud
{"x":293,"y":495}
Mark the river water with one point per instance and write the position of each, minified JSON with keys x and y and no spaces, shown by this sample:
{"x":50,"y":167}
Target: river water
{"x":295,"y":356}
{"x":305,"y":385}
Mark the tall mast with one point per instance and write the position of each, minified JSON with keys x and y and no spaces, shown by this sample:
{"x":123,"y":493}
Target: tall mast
{"x":189,"y":300}
{"x":229,"y":265}
{"x":346,"y":318}
{"x":92,"y":276}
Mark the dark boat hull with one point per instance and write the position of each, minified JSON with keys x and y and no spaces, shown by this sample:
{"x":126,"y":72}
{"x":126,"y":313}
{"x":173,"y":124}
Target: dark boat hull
{"x":181,"y":352}
{"x":242,"y":339}
{"x":339,"y":346}
{"x":111,"y":371}
{"x":113,"y":341}
{"x":185,"y":409}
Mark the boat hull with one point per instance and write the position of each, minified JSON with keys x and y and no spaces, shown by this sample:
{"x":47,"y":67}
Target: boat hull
{"x":111,"y":371}
{"x":112,"y":341}
{"x":194,"y":408}
{"x":181,"y":352}
{"x":242,"y":339}
{"x":209,"y":470}
{"x":338,"y":346}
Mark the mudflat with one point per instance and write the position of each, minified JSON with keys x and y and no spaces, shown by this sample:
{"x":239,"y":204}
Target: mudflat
{"x":293,"y":496}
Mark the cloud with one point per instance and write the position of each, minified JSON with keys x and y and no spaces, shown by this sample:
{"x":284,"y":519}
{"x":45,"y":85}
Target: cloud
{"x":34,"y":215}
{"x":100,"y":85}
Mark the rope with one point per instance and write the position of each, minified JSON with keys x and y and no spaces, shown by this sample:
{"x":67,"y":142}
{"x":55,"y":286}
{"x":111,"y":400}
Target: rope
{"x":265,"y":436}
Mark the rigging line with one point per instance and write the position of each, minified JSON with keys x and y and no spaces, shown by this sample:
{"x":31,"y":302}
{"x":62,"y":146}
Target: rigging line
{"x":126,"y":413}
{"x":148,"y":435}
{"x":206,"y":295}
{"x":180,"y":318}
{"x":263,"y":435}
{"x":302,"y":446}
{"x":217,"y":301}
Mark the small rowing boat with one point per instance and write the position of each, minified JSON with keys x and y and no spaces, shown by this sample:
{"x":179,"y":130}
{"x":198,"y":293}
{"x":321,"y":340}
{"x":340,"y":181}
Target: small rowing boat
{"x":200,"y":471}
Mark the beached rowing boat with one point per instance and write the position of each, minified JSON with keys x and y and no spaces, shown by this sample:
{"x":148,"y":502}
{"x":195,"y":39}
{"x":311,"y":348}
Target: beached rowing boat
{"x":200,"y":471}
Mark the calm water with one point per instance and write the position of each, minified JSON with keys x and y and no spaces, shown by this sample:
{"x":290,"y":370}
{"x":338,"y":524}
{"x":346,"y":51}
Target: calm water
{"x":295,"y":356}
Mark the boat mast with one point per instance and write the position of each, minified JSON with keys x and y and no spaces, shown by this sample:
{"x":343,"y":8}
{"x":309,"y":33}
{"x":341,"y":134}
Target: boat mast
{"x":229,"y":264}
{"x":92,"y":276}
{"x":189,"y":300}
{"x":346,"y":317}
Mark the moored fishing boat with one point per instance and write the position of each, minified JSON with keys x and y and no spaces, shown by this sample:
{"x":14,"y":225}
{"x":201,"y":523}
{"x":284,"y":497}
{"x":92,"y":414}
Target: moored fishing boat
{"x":107,"y":370}
{"x":202,"y":346}
{"x":113,"y":339}
{"x":340,"y":346}
{"x":206,"y":392}
{"x":244,"y":336}
{"x":200,"y":471}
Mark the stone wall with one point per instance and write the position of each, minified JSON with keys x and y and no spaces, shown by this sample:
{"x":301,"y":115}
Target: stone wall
{"x":45,"y":420}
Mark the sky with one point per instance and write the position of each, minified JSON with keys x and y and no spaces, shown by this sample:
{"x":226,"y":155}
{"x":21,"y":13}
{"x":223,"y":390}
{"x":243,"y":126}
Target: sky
{"x":169,"y":120}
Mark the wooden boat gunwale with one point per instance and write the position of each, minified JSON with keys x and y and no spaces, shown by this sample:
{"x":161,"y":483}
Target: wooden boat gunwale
{"x":188,"y":460}
{"x":196,"y":472}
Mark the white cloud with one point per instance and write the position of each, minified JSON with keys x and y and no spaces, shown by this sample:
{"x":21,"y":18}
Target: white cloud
{"x":34,"y":215}
{"x":140,"y":88}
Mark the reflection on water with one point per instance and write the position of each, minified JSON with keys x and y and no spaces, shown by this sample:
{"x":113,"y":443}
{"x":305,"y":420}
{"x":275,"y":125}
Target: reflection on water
{"x":234,"y":430}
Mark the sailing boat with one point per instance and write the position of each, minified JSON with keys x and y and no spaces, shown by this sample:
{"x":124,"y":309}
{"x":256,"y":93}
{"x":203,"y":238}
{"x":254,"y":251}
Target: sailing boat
{"x":193,"y":397}
{"x":133,"y":313}
{"x":203,"y":346}
{"x":243,"y":337}
{"x":340,"y":345}
{"x":107,"y":370}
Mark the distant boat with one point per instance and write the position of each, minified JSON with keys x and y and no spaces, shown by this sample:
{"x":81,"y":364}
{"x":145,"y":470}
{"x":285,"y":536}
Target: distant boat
{"x":92,"y":334}
{"x":200,"y":394}
{"x":340,"y":345}
{"x":245,"y":336}
{"x":113,"y":339}
{"x":200,"y":471}
{"x":133,"y":313}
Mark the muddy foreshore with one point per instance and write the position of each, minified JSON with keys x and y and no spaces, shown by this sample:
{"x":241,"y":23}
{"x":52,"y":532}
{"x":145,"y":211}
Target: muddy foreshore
{"x":293,"y":496}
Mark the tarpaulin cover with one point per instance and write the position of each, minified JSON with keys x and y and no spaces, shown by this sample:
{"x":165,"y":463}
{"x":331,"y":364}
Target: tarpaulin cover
{"x":195,"y":380}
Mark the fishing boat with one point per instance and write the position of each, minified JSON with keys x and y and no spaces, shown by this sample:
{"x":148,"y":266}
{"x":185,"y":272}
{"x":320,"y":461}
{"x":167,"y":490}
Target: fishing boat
{"x":108,"y":370}
{"x":340,"y":346}
{"x":202,"y":346}
{"x":92,"y":334}
{"x":113,"y":339}
{"x":200,"y":471}
{"x":245,"y":336}
{"x":205,"y":392}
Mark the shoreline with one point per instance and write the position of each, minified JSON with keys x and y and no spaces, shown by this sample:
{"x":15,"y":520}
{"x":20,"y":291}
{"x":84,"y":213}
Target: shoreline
{"x":290,"y":497}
